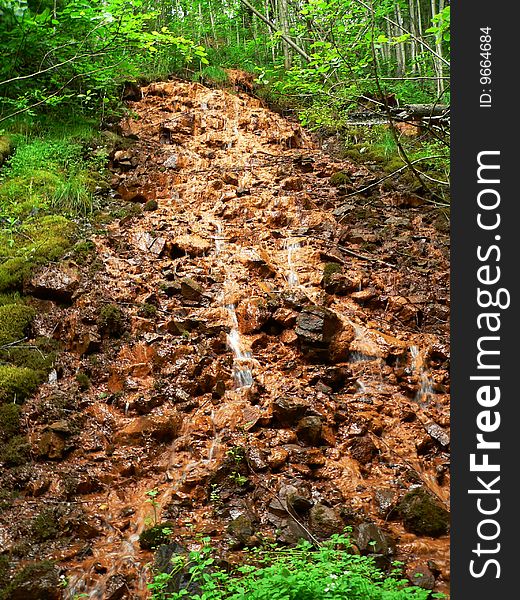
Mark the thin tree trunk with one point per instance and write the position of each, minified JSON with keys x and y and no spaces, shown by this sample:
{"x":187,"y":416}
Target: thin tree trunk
{"x":284,"y":37}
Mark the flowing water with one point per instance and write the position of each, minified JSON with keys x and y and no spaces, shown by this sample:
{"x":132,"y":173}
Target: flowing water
{"x":246,"y":227}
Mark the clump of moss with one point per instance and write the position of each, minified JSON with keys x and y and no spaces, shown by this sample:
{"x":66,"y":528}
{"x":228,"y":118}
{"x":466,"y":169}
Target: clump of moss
{"x":423,"y":514}
{"x":15,"y":320}
{"x":329,"y":270}
{"x":7,"y":498}
{"x":151,"y":205}
{"x":40,"y":241}
{"x":36,"y":580}
{"x":147,"y":310}
{"x":9,"y":421}
{"x":6,"y":147}
{"x":155,"y":536}
{"x":15,"y":452}
{"x":45,"y":526}
{"x":17,"y":383}
{"x":111,"y":321}
{"x":339,"y":178}
{"x":83,"y":381}
{"x":83,"y":249}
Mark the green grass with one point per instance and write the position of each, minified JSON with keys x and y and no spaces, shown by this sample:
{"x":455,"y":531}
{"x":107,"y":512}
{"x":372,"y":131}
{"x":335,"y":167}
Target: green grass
{"x":332,"y":572}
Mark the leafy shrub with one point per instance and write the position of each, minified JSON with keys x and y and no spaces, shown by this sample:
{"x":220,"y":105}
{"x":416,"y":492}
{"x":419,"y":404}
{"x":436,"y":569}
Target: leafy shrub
{"x":332,"y":572}
{"x":17,"y":383}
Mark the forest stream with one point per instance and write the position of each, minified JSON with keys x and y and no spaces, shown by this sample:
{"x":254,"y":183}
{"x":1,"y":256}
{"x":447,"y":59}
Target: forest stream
{"x":264,"y":352}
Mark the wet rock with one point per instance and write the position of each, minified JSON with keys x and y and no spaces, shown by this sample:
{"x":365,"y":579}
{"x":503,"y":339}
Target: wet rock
{"x":309,"y":430}
{"x":385,"y":501}
{"x":325,"y":521}
{"x":423,"y":514}
{"x":363,"y":449}
{"x":85,"y":340}
{"x":296,"y":498}
{"x":149,"y":243}
{"x":116,"y":587}
{"x":54,"y":282}
{"x":52,"y":445}
{"x":162,"y":428}
{"x":241,"y":530}
{"x":155,"y":536}
{"x":277,"y":458}
{"x":191,"y":245}
{"x":256,"y":459}
{"x":293,"y":184}
{"x":286,"y":411}
{"x":370,"y":539}
{"x":163,"y":563}
{"x":190,"y":289}
{"x":421,"y":576}
{"x":134,"y":193}
{"x":291,"y":533}
{"x":36,"y":581}
{"x":438,"y":434}
{"x":317,"y":326}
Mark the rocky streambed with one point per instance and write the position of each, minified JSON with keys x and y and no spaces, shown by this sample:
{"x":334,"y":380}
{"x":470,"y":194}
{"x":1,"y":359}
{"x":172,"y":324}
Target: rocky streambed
{"x":255,"y":352}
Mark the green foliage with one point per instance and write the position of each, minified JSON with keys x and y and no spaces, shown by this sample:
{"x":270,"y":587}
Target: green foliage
{"x":15,"y":320}
{"x":17,"y":383}
{"x":302,"y":573}
{"x":111,"y":320}
{"x":9,"y":421}
{"x":89,"y":48}
{"x":155,"y":536}
{"x":15,"y":451}
{"x":45,"y":526}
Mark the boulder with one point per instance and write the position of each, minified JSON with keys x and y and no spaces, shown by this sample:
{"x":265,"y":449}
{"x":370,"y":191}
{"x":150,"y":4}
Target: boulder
{"x":309,"y":430}
{"x":363,"y":449}
{"x":36,"y":581}
{"x":325,"y":521}
{"x":54,"y":282}
{"x":286,"y":411}
{"x":316,"y":327}
{"x":161,"y":428}
{"x":423,"y":514}
{"x":370,"y":539}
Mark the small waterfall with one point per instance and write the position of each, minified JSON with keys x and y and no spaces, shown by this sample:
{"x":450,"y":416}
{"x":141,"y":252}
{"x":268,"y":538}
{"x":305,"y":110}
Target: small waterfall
{"x":242,"y":372}
{"x":425,"y":392}
{"x":241,"y":365}
{"x":292,"y":277}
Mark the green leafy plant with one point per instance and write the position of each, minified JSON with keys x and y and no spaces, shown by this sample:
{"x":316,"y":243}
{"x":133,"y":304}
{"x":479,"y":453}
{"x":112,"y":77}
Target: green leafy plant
{"x":331,"y":572}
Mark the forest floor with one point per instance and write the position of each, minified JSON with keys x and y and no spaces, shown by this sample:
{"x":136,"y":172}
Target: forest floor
{"x":260,"y":353}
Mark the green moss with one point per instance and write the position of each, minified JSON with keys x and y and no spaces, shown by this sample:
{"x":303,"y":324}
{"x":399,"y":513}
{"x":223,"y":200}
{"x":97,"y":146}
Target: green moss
{"x":15,"y":320}
{"x":36,"y":580}
{"x":155,"y":536}
{"x":147,"y":310}
{"x":6,"y":147}
{"x":15,"y":452}
{"x":83,"y":249}
{"x":83,"y":381}
{"x":10,"y":298}
{"x":339,"y":178}
{"x":151,"y":205}
{"x":17,"y":383}
{"x":111,"y":320}
{"x":9,"y":421}
{"x":423,"y":514}
{"x":45,"y":526}
{"x":4,"y":570}
{"x":38,"y":242}
{"x":13,"y":272}
{"x":329,"y":269}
